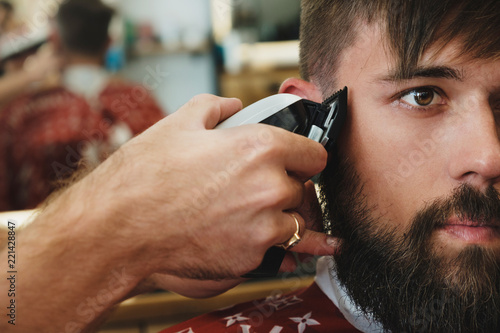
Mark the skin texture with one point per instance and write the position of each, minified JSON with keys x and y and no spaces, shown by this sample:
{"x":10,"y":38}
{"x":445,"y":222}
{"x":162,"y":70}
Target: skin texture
{"x":408,"y":155}
{"x":179,"y":203}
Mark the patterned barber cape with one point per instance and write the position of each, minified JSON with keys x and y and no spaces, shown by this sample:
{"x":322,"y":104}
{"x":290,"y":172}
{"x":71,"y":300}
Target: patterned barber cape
{"x":305,"y":311}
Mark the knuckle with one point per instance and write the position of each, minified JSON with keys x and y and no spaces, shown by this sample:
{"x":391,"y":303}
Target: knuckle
{"x":205,"y":97}
{"x":257,"y":151}
{"x":265,"y":234}
{"x":278,"y":194}
{"x":201,"y":99}
{"x":271,"y":151}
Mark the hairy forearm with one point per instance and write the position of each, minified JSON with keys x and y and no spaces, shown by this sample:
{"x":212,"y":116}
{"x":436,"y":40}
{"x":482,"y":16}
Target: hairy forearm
{"x":71,"y":269}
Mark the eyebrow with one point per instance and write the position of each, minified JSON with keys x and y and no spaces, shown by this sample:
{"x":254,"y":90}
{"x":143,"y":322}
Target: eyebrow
{"x":437,"y":72}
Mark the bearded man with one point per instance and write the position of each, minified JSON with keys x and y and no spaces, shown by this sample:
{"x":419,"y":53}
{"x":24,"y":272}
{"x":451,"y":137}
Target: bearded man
{"x":412,"y":190}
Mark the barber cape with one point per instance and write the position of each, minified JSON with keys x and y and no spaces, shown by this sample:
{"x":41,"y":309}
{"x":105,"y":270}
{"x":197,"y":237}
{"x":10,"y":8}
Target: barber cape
{"x":323,"y":307}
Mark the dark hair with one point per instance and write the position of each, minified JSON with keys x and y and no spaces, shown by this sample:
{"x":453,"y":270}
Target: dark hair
{"x":7,"y":6}
{"x":83,"y":25}
{"x":411,"y":26}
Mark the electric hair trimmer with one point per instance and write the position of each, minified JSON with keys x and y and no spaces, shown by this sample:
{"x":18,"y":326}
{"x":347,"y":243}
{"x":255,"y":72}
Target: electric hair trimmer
{"x":320,"y":122}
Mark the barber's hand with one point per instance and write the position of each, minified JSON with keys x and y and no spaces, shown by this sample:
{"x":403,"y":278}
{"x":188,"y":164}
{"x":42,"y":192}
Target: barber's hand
{"x":207,"y":204}
{"x":313,"y":243}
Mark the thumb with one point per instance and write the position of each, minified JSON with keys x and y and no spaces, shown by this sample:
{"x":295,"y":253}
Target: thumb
{"x":207,"y":111}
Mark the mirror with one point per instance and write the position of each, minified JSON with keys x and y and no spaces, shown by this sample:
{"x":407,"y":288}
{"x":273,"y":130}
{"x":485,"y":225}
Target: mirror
{"x":256,"y":20}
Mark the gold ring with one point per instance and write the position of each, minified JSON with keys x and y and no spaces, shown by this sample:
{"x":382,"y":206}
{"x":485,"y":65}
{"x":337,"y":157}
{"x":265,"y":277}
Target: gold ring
{"x":295,"y":239}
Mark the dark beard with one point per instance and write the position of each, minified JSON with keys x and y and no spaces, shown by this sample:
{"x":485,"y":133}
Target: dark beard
{"x":400,"y":280}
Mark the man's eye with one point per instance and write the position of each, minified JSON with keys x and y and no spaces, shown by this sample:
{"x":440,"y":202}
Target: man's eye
{"x":421,"y":97}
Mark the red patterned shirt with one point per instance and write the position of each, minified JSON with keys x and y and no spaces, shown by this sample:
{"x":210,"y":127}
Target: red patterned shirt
{"x":305,"y":311}
{"x":44,"y":135}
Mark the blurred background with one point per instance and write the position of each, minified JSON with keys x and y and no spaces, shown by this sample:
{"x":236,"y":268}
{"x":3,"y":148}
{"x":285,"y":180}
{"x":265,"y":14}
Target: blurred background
{"x":171,"y":50}
{"x":123,"y":74}
{"x":237,"y":48}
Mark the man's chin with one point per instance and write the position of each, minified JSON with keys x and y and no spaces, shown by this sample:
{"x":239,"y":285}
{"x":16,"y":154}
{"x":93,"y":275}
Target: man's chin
{"x":456,"y":291}
{"x":476,"y":272}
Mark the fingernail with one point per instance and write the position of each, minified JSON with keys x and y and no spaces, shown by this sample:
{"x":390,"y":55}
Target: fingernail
{"x":332,"y":241}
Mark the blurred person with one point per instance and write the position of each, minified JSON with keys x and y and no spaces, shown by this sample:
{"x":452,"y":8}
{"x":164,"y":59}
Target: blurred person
{"x":6,"y":16}
{"x":81,"y":37}
{"x":46,"y":134}
{"x":18,"y":46}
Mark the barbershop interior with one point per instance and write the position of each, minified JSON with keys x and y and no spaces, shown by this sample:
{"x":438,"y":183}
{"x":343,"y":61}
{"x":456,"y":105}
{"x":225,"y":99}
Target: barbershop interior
{"x":163,"y":53}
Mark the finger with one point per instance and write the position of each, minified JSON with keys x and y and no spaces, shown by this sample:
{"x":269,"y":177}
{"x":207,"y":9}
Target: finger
{"x":307,"y":263}
{"x":317,"y":244}
{"x":305,"y":258}
{"x":289,"y":263}
{"x":310,"y":216}
{"x":293,"y":224}
{"x":208,"y":110}
{"x":290,"y":190}
{"x":306,"y":159}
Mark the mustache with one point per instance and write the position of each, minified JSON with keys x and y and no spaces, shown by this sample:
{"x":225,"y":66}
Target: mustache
{"x":466,"y":203}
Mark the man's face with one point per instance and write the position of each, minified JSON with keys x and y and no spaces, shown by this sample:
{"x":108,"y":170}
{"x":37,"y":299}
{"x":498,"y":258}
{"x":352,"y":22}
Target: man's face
{"x":421,"y":170}
{"x":417,"y":140}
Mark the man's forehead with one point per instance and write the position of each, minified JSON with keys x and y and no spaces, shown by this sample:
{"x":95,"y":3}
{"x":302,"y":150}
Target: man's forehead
{"x":373,"y":48}
{"x":446,"y":62}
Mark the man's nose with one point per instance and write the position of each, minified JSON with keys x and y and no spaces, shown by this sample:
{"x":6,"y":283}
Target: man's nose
{"x":476,"y":150}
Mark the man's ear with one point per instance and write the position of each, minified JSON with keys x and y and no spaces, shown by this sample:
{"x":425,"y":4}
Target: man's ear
{"x":304,"y":89}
